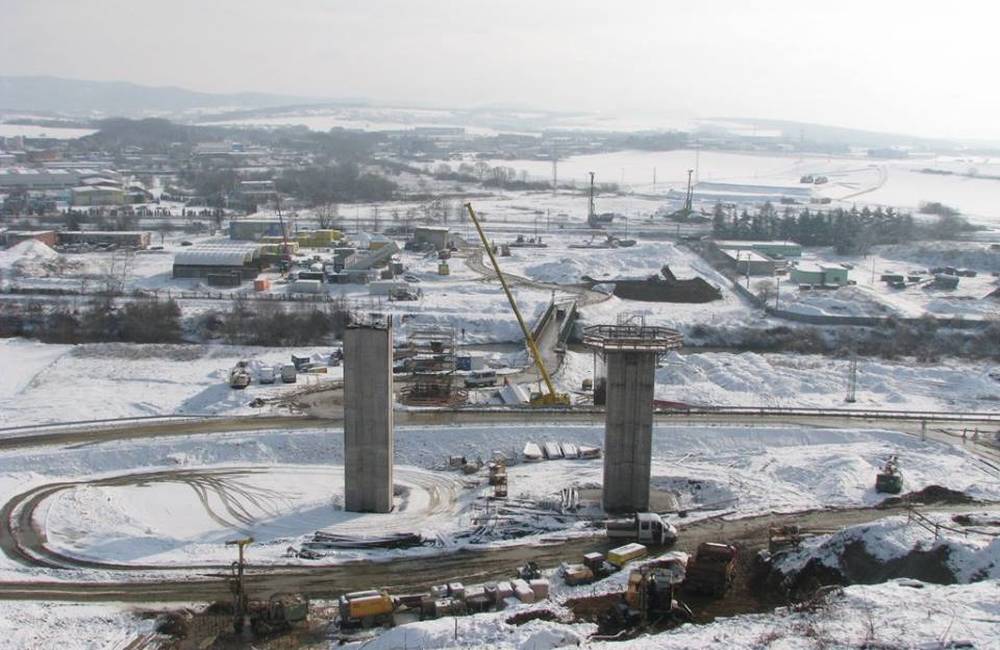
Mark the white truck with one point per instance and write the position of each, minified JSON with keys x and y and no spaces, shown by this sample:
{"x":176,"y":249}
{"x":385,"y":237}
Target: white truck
{"x":645,"y":527}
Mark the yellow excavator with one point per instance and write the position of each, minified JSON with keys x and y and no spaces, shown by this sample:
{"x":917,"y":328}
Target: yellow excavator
{"x":551,"y":397}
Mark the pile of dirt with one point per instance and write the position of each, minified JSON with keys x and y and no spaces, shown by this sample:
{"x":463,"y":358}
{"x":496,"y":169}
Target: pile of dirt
{"x":928,"y":495}
{"x":857,"y":566}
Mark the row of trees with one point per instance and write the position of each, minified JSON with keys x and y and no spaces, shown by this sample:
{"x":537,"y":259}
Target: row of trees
{"x":101,"y":320}
{"x":271,"y":324}
{"x":343,"y":182}
{"x":849,"y":231}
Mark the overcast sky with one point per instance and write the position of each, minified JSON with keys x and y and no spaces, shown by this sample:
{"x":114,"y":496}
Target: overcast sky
{"x":920,"y":67}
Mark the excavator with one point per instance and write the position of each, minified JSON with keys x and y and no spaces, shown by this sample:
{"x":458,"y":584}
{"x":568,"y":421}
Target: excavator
{"x":550,"y":397}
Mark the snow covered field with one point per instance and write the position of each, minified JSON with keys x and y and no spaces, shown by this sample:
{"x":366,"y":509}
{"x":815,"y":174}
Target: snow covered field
{"x":61,"y":383}
{"x":752,"y":379}
{"x":854,"y":179}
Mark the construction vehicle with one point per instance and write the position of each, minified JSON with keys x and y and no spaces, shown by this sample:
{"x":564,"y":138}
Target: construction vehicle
{"x":646,"y":527}
{"x":239,"y":376}
{"x":652,"y":590}
{"x":550,"y":397}
{"x":528,"y":571}
{"x":890,"y":479}
{"x":365,"y":609}
{"x":712,"y":570}
{"x":277,"y":614}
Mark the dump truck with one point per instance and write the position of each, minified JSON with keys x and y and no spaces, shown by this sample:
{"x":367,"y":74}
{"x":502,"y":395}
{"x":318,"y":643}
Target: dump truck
{"x":620,"y":556}
{"x":645,"y":527}
{"x":712,"y":570}
{"x":890,"y":479}
{"x":365,"y":609}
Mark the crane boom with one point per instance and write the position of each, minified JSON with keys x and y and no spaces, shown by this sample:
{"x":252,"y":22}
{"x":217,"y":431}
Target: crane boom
{"x":553,"y":397}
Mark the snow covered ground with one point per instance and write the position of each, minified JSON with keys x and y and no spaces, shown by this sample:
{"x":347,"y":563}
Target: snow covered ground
{"x":285,"y":483}
{"x":70,"y":626}
{"x":53,"y":383}
{"x":872,"y":297}
{"x":752,"y":379}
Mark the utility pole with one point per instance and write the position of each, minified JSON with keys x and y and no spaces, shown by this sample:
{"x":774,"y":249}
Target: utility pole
{"x":852,"y":378}
{"x":555,"y":172}
{"x":688,"y":197}
{"x":654,"y":176}
{"x":777,"y":291}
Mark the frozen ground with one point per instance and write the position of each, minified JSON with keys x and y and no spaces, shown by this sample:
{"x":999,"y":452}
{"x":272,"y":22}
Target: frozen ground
{"x":285,"y":483}
{"x":735,"y":379}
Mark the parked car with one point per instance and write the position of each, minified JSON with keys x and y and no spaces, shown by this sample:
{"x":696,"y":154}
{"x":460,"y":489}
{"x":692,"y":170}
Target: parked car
{"x":289,"y":374}
{"x":266,"y":375}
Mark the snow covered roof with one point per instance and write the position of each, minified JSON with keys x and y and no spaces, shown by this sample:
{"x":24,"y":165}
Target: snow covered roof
{"x":216,"y":256}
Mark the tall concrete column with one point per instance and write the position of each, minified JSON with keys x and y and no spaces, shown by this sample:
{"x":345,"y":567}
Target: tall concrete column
{"x":628,"y":430}
{"x":368,"y":433}
{"x":629,"y":351}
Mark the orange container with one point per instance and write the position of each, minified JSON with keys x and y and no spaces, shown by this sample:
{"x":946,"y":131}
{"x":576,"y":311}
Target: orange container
{"x":261,"y":284}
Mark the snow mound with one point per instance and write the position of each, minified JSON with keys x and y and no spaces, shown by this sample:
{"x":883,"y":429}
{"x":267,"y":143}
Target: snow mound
{"x":26,"y":252}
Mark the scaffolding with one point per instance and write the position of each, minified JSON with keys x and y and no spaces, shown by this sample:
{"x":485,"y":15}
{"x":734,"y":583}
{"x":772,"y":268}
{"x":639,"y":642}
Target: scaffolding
{"x":429,"y":356}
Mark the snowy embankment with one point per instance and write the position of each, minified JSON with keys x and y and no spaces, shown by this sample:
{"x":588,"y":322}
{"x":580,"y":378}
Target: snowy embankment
{"x":967,"y":553}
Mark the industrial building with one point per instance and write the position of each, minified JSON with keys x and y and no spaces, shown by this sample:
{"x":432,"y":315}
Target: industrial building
{"x":773,"y":249}
{"x":750,"y":262}
{"x":14,"y":237}
{"x":368,"y":424}
{"x":97,"y":195}
{"x":819,"y":275}
{"x":254,"y":229}
{"x":219,"y":264}
{"x":119,"y":238}
{"x":439,"y":238}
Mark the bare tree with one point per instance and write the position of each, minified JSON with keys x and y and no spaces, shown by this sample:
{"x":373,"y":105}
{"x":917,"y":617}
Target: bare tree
{"x":118,"y":271}
{"x":327,"y":215}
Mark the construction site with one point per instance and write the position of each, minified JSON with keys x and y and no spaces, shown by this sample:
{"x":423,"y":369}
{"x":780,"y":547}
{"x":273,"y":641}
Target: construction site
{"x":409,"y":487}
